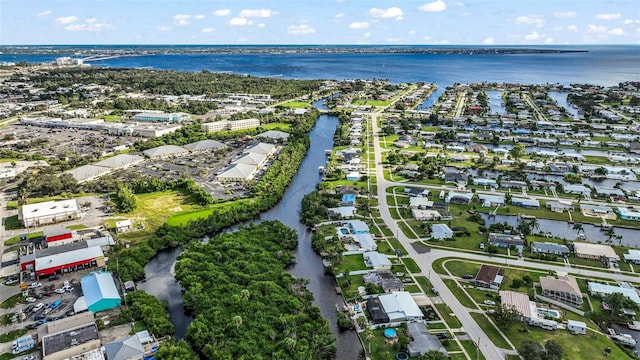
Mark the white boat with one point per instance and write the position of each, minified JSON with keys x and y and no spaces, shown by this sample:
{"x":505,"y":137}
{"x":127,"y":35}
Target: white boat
{"x":634,"y":325}
{"x":624,"y":339}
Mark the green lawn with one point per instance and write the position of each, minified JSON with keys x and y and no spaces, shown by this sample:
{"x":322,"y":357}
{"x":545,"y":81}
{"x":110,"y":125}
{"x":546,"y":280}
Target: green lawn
{"x":295,"y":104}
{"x":372,"y":102}
{"x":12,"y":301}
{"x":351,"y":263}
{"x":472,"y":350}
{"x":425,"y":284}
{"x":183,"y":218}
{"x":490,"y":330}
{"x":459,"y":293}
{"x":411,"y":265}
{"x":448,"y":316}
{"x":576,"y":347}
{"x":276,"y":126}
{"x":12,"y":335}
{"x":414,"y":289}
{"x":460,"y":268}
{"x":12,"y":222}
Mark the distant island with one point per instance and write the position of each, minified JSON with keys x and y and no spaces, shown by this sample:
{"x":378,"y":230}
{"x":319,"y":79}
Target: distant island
{"x":131,"y":50}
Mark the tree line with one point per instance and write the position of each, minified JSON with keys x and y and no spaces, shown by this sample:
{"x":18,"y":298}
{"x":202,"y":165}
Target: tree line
{"x":244,"y":302}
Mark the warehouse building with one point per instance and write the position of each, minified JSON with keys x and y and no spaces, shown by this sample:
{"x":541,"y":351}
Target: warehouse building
{"x":62,"y":259}
{"x":100,"y":291}
{"x":48,"y":212}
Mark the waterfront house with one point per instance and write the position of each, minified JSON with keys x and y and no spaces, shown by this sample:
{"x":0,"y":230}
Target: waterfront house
{"x":458,"y":198}
{"x":484,"y":182}
{"x":377,"y":261}
{"x":629,"y":213}
{"x":512,"y":184}
{"x":491,"y":200}
{"x":342,"y":212}
{"x":425,"y":215}
{"x":376,"y":312}
{"x":595,"y":251}
{"x":564,"y":289}
{"x":365,"y":242}
{"x":526,"y":203}
{"x":400,"y":306}
{"x":385,"y":279}
{"x":576,"y":189}
{"x":632,"y":256}
{"x":505,"y":240}
{"x":455,"y":178}
{"x":604,"y":192}
{"x":549,"y":248}
{"x":597,"y":211}
{"x":422,"y":341}
{"x":560,"y":206}
{"x":603,"y":290}
{"x":489,"y":277}
{"x":441,"y":232}
{"x":358,"y":227}
{"x":521,"y":303}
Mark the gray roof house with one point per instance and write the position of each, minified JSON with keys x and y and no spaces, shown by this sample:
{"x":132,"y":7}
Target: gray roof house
{"x":165,"y":151}
{"x":422,"y":342}
{"x":549,"y":248}
{"x":441,"y":232}
{"x":377,"y":261}
{"x":125,"y":349}
{"x":205,"y":145}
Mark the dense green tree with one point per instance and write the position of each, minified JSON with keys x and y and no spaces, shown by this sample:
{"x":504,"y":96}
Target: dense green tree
{"x":518,"y":151}
{"x":553,"y":350}
{"x":124,"y":199}
{"x":434,"y":355}
{"x":175,"y":350}
{"x":530,"y":350}
{"x":505,"y":315}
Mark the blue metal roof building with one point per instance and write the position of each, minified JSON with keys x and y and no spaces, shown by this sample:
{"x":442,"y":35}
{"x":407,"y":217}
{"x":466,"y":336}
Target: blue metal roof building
{"x":100,"y":291}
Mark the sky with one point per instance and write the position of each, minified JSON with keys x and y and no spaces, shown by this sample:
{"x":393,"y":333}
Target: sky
{"x":238,"y":22}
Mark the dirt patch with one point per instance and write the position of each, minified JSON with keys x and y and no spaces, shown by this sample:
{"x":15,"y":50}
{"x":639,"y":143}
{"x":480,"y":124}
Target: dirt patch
{"x":115,"y":333}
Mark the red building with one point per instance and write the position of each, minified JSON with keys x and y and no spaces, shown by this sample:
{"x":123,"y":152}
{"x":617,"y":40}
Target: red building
{"x":59,"y":236}
{"x":62,"y":259}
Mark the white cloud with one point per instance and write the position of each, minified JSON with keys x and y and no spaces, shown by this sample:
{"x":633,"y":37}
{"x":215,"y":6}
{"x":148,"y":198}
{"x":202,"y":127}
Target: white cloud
{"x":548,"y":40}
{"x":257,"y":13}
{"x":44,"y":13}
{"x":613,"y":16}
{"x":533,"y":36}
{"x":572,"y":27}
{"x":436,"y":6}
{"x":261,"y":25}
{"x":488,"y":41}
{"x":89,"y":25}
{"x":164,"y":28}
{"x":199,"y":16}
{"x":537,"y":20}
{"x":390,"y":13}
{"x":443,"y":42}
{"x":359,"y":25}
{"x":339,"y":16}
{"x":367,"y":34}
{"x":616,"y":32}
{"x":426,"y":38}
{"x":411,"y":32}
{"x":302,"y":29}
{"x":181,"y":19}
{"x":596,"y":29}
{"x":222,"y":12}
{"x":67,"y":19}
{"x":565,"y":15}
{"x":236,"y":21}
{"x":208,"y":30}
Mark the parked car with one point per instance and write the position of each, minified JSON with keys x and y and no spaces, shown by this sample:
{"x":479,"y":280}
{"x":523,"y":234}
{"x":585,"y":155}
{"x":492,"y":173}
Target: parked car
{"x":27,"y":309}
{"x":11,"y":280}
{"x":39,"y":317}
{"x":35,"y":285}
{"x":54,"y":277}
{"x":48,"y":293}
{"x":68,"y":288}
{"x":435,"y":291}
{"x":38,"y":307}
{"x":30,"y":299}
{"x":29,"y":357}
{"x":489,"y":302}
{"x":41,"y":321}
{"x":59,"y":291}
{"x":32,"y":326}
{"x":70,"y":312}
{"x":467,"y":276}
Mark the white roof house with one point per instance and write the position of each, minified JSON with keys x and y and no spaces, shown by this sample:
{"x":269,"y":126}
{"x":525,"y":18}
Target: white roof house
{"x":274,"y":135}
{"x":237,"y":172}
{"x":377,"y":261}
{"x":48,"y":212}
{"x":441,"y":231}
{"x":205,"y":145}
{"x":420,"y":202}
{"x":595,"y":251}
{"x":491,"y":200}
{"x":120,"y":161}
{"x":602,"y":289}
{"x":365,"y":241}
{"x":263,"y":148}
{"x":632,"y":256}
{"x":400,"y":306}
{"x":252,"y":158}
{"x":88,"y":172}
{"x":520,"y":302}
{"x":165,"y":151}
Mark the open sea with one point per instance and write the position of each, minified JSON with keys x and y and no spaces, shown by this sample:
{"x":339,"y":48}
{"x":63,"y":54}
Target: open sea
{"x":599,"y":65}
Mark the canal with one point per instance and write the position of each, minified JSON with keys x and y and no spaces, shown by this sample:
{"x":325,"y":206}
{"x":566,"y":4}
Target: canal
{"x":161,"y":283}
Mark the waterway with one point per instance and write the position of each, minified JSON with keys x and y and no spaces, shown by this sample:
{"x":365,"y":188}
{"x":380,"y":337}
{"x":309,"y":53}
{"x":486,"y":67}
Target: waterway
{"x":560,"y":97}
{"x":495,"y":102}
{"x":159,"y":271}
{"x":564,"y":230}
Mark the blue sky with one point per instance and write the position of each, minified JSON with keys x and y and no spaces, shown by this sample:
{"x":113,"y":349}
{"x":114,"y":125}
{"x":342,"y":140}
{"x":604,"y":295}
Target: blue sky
{"x":477,"y":22}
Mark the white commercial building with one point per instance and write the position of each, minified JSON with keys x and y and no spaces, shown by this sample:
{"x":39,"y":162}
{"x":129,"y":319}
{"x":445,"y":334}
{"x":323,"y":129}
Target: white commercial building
{"x":230,"y":125}
{"x":48,"y":212}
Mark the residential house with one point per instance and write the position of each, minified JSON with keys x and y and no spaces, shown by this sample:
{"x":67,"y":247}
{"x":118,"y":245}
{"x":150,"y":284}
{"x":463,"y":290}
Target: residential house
{"x":456,"y":178}
{"x":597,"y":211}
{"x":525,"y":203}
{"x":422,"y":342}
{"x":420,"y":203}
{"x":484,"y":182}
{"x":400,"y":306}
{"x":458,"y":198}
{"x":505,"y":240}
{"x":560,"y":206}
{"x":521,"y":303}
{"x":564,"y":289}
{"x":377,"y":261}
{"x":538,"y":185}
{"x":512,"y":184}
{"x":491,"y":200}
{"x":576,"y":189}
{"x":385,"y":279}
{"x":604,"y":192}
{"x":549,"y":248}
{"x":604,"y":290}
{"x":629,"y":213}
{"x":376,"y":312}
{"x":632,"y":256}
{"x":365,"y":242}
{"x":595,"y":251}
{"x":358,"y":227}
{"x":441,"y":232}
{"x":426,"y":215}
{"x":489,"y":277}
{"x":342,"y":212}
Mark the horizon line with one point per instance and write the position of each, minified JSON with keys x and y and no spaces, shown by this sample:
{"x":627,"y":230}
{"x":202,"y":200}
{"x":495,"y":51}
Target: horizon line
{"x":355,"y":45}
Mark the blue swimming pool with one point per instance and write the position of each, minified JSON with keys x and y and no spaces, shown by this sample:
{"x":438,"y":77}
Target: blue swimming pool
{"x":389,"y":333}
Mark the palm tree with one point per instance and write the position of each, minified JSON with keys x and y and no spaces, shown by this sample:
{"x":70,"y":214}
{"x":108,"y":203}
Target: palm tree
{"x":611,"y":234}
{"x":237,"y":321}
{"x":368,"y":335}
{"x":578,"y":228}
{"x":534,"y":224}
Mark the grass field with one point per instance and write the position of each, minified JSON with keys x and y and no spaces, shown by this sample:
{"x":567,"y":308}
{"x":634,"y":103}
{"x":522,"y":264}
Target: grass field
{"x":351,"y":263}
{"x":12,"y":335}
{"x":411,"y":265}
{"x":472,"y":350}
{"x":459,"y":294}
{"x":276,"y":126}
{"x":372,"y":102}
{"x":12,"y":223}
{"x":183,"y":218}
{"x":153,"y":210}
{"x":490,"y":330}
{"x":295,"y":104}
{"x":448,"y":316}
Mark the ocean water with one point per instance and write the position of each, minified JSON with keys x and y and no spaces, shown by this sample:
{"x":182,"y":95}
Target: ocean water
{"x":599,"y":65}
